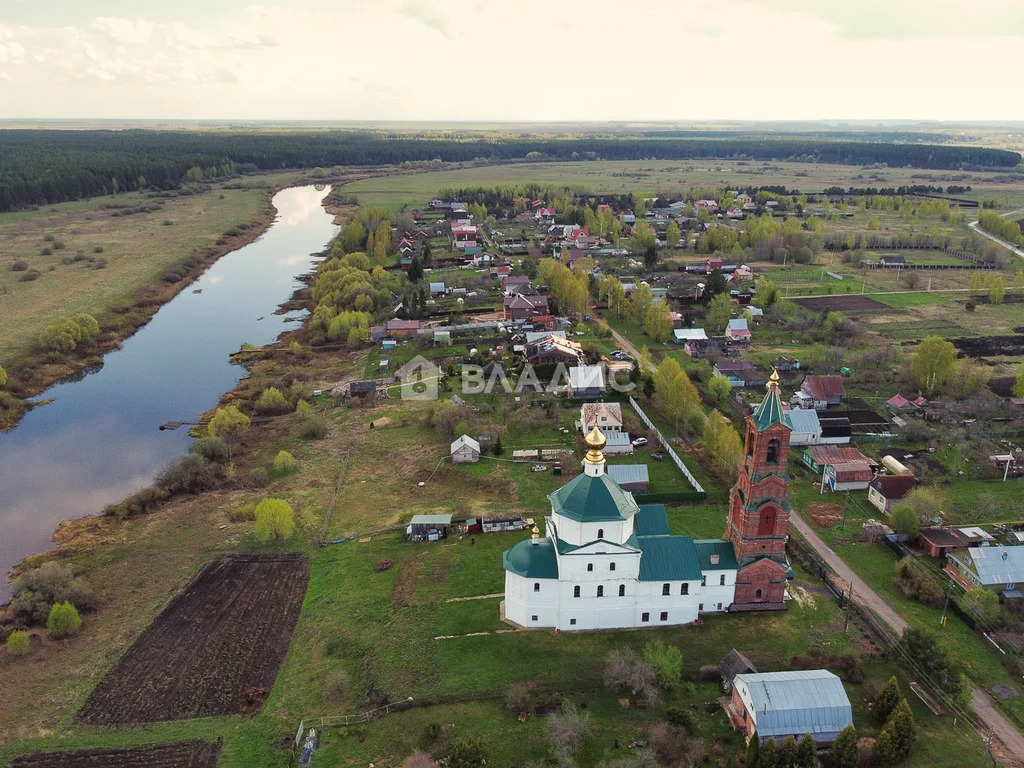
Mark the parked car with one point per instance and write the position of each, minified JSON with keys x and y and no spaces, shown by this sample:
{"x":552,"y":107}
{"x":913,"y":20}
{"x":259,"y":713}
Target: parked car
{"x":539,"y":468}
{"x":640,"y":442}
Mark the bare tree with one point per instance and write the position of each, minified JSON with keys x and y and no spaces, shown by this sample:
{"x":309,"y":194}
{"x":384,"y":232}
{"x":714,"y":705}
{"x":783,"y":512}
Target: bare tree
{"x":623,"y":668}
{"x":566,"y":730}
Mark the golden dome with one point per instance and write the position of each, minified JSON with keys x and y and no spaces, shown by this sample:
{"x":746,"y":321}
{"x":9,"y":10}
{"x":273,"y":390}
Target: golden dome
{"x":536,"y":532}
{"x":773,"y":380}
{"x":595,"y":442}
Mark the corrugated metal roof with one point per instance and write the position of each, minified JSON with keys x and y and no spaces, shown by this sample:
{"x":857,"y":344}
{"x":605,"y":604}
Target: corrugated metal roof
{"x":804,"y":701}
{"x":431,"y":520}
{"x":534,"y":561}
{"x":738,"y":324}
{"x":465,"y":440}
{"x":668,"y":558}
{"x":804,"y":420}
{"x":996,"y":565}
{"x":690,"y":334}
{"x":625,"y":474}
{"x":725,"y":551}
{"x":586,"y":377}
{"x":651,"y":520}
{"x":592,"y":499}
{"x":615,"y":438}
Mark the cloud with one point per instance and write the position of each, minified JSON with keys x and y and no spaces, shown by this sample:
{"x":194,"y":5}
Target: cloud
{"x":426,"y":14}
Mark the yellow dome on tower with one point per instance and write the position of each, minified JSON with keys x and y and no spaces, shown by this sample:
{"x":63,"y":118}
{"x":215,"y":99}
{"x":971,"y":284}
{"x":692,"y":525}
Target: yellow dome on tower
{"x":595,"y":441}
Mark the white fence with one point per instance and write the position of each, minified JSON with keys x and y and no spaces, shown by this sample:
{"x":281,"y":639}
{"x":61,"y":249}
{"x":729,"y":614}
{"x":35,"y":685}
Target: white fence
{"x":664,"y":444}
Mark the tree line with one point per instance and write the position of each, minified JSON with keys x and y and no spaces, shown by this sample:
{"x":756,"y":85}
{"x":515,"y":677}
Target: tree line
{"x":39,"y":167}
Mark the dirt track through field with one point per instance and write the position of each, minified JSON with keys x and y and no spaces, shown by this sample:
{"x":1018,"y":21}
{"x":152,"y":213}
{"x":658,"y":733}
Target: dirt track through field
{"x":214,"y":650}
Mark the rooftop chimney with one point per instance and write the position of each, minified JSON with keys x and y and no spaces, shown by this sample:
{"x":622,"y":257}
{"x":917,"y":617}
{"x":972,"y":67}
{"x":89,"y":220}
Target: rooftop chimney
{"x":714,"y":559}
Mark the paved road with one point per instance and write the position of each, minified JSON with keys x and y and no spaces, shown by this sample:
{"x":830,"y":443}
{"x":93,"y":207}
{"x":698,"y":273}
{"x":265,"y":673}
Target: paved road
{"x":1012,"y":741}
{"x":977,"y":228}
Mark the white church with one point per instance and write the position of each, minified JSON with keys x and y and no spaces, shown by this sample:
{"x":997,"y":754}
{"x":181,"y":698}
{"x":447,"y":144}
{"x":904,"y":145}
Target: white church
{"x":608,"y":563}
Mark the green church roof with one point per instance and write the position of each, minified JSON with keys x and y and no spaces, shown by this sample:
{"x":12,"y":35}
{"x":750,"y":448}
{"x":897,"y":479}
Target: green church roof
{"x":593,"y":500}
{"x":651,"y":520}
{"x":668,"y":558}
{"x":534,"y":561}
{"x":725,"y":551}
{"x":770,"y":410}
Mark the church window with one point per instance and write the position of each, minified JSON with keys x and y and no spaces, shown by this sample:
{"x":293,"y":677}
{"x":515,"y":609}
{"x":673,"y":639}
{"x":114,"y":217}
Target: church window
{"x":645,"y":616}
{"x":721,"y":580}
{"x":536,"y":586}
{"x":703,"y":581}
{"x":772,"y":453}
{"x":572,"y":622}
{"x":700,"y":607}
{"x":622,"y":590}
{"x":576,"y":591}
{"x":590,"y":566}
{"x":684,"y":588}
{"x":719,"y":606}
{"x":766,"y":523}
{"x":611,"y":566}
{"x":664,"y":615}
{"x":666,"y":589}
{"x":600,"y":590}
{"x":533,"y":618}
{"x":600,"y":533}
{"x":757,"y":594}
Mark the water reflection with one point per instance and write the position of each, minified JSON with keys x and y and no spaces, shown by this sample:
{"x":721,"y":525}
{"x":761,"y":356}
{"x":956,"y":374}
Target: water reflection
{"x":98,"y":440}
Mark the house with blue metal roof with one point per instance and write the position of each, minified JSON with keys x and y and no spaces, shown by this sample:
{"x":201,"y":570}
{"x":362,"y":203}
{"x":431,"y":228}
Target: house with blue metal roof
{"x":780,"y":704}
{"x":606,"y":562}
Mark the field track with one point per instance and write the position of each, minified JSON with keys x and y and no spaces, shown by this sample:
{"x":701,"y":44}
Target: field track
{"x":214,"y":650}
{"x":182,"y":754}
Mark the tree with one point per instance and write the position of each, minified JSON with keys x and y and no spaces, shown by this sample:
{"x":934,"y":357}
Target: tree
{"x":3,"y":377}
{"x":1018,"y":282}
{"x":643,"y":236}
{"x":38,"y":589}
{"x":927,"y":500}
{"x":844,"y":751}
{"x":982,"y":604}
{"x":719,"y":388}
{"x":63,"y":620}
{"x":275,"y":519}
{"x":624,"y":669}
{"x":886,"y":700}
{"x":766,"y":294}
{"x":1018,"y":385}
{"x":719,"y":312}
{"x":996,"y":289}
{"x":753,"y":750}
{"x":284,"y":463}
{"x":272,"y":400}
{"x":722,"y":444}
{"x":466,"y":754}
{"x":415,"y":270}
{"x":897,"y":738}
{"x":566,"y":730}
{"x":769,"y":757}
{"x":807,"y":753}
{"x":788,"y":752}
{"x":657,"y":322}
{"x":933,"y":659}
{"x":932,"y":364}
{"x":673,"y":235}
{"x":667,"y":663}
{"x":904,"y":519}
{"x":17,"y":643}
{"x":229,"y":424}
{"x":974,"y":285}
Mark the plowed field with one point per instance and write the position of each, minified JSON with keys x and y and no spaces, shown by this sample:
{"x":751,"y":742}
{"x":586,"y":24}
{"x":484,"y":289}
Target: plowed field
{"x":182,"y":754}
{"x":214,"y":650}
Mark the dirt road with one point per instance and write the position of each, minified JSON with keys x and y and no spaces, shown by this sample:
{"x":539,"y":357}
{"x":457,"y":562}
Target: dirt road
{"x":1012,"y":741}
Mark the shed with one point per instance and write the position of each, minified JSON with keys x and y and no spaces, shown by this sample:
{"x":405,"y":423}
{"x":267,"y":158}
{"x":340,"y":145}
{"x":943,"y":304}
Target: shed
{"x":500,"y":523}
{"x":835,"y":430}
{"x":618,"y":443}
{"x":586,"y":381}
{"x":465,"y":450}
{"x":794,"y":703}
{"x":436,"y":288}
{"x":362,"y":388}
{"x":630,"y":477}
{"x":938,"y":542}
{"x":734,"y":663}
{"x":683,"y":335}
{"x":885,"y":490}
{"x":429,"y":527}
{"x":975,"y":536}
{"x":806,"y":427}
{"x":737,"y":330}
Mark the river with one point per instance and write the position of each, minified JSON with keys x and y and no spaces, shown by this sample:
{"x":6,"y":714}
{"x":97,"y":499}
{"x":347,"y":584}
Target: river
{"x":98,"y":441}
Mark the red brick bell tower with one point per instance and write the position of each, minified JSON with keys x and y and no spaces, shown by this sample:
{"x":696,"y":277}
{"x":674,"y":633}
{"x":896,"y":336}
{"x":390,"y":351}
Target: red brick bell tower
{"x":758,"y":522}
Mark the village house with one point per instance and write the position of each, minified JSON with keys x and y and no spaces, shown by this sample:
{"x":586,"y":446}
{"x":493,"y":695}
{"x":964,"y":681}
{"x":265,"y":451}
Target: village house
{"x":741,"y":373}
{"x":706,"y":205}
{"x":776,"y":705}
{"x":465,"y":450}
{"x":509,"y":281}
{"x":734,"y":212}
{"x":586,"y":382}
{"x":429,"y":527}
{"x":806,"y":427}
{"x":698,"y":348}
{"x":551,"y":348}
{"x":398,"y":327}
{"x":819,"y":392}
{"x":737,"y":331}
{"x":999,"y":569}
{"x":363,"y":390}
{"x":523,"y":306}
{"x":817,"y":457}
{"x":605,"y":416}
{"x":885,"y":491}
{"x":543,"y":322}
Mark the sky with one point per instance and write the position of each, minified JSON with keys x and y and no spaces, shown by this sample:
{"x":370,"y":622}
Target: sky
{"x":528,"y":60}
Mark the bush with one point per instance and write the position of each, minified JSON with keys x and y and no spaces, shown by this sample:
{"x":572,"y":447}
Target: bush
{"x":384,"y":565}
{"x":313,"y":428}
{"x":519,"y":696}
{"x":189,"y":474}
{"x":20,"y":265}
{"x":213,"y":449}
{"x":275,"y":519}
{"x":678,"y":715}
{"x":914,"y":581}
{"x":36,"y":591}
{"x":28,"y":277}
{"x":668,"y":742}
{"x":139,"y":503}
{"x":258,"y":477}
{"x":63,"y":620}
{"x":47,"y":251}
{"x":272,"y":401}
{"x":17,"y":643}
{"x":98,"y":249}
{"x":667,"y":663}
{"x":904,"y":519}
{"x":284,"y":463}
{"x":466,"y":754}
{"x":246,"y":512}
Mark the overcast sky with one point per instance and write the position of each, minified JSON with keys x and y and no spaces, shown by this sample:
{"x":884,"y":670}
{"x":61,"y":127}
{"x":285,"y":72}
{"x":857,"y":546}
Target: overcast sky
{"x":562,"y":60}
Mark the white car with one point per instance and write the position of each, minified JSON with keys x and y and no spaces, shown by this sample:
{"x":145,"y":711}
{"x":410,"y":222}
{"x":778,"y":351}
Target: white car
{"x":640,"y":442}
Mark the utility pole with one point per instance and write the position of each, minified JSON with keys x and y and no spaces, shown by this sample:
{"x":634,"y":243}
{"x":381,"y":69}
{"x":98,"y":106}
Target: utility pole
{"x":849,"y":601}
{"x":846,"y":503}
{"x":988,"y":752}
{"x":945,"y":605}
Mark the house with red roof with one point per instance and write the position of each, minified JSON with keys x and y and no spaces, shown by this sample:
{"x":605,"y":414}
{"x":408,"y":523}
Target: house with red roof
{"x":822,"y":391}
{"x":522,"y":306}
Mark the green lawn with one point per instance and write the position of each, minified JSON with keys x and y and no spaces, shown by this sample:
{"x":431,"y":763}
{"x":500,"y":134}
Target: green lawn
{"x":902,"y":300}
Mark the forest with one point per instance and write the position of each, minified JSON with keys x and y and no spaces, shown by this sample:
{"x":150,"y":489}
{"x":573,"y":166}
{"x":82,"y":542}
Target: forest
{"x":39,"y":167}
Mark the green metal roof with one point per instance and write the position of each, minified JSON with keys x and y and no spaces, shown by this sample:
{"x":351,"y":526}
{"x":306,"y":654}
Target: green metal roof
{"x":724,"y":549}
{"x":593,"y":500}
{"x":668,"y":558}
{"x":534,"y":561}
{"x":770,"y":411}
{"x":651,"y":520}
{"x":431,"y":520}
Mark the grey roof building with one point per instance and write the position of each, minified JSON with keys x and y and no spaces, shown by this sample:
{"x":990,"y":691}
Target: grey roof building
{"x":780,"y":704}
